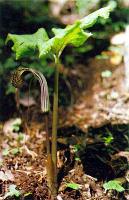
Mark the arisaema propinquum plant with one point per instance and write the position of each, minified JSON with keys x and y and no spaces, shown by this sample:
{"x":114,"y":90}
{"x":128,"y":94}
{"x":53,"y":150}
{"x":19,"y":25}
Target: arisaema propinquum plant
{"x":26,"y":45}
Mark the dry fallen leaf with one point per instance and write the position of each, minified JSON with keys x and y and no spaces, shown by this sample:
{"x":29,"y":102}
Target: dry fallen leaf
{"x":28,"y":151}
{"x":6,"y":176}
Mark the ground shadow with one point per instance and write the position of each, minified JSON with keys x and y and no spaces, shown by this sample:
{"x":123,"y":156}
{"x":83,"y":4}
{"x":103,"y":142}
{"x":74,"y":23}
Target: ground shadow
{"x":97,"y":156}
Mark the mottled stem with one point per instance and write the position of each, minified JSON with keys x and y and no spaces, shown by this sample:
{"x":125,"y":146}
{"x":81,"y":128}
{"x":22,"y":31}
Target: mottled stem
{"x":55,"y":121}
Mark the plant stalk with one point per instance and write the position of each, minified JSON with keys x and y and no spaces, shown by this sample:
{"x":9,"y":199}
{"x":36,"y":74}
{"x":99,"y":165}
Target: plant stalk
{"x":55,"y":121}
{"x":49,"y":166}
{"x":47,"y":134}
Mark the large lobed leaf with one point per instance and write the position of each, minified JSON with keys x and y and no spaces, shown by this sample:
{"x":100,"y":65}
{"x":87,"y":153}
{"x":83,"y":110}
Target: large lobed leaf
{"x":72,"y":34}
{"x":27,"y":44}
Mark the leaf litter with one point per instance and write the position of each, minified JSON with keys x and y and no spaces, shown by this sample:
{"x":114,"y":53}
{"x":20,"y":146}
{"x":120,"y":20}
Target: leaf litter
{"x":91,"y":115}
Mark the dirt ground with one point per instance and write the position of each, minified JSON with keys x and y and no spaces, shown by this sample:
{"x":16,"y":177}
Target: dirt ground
{"x":99,"y":109}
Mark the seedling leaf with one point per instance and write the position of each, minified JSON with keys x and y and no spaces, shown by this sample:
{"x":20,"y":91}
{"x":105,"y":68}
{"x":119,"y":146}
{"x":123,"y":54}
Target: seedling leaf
{"x":20,"y":137}
{"x":12,"y":192}
{"x":15,"y":151}
{"x":73,"y":186}
{"x":16,"y":124}
{"x":76,"y":147}
{"x":113,"y":185}
{"x":77,"y":159}
{"x":5,"y":152}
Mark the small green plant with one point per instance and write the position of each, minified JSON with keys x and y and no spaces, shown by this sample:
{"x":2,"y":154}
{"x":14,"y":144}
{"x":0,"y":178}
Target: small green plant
{"x":76,"y":149}
{"x":5,"y":152}
{"x":73,"y":186}
{"x":13,"y":192}
{"x":108,"y":139}
{"x":16,"y":125}
{"x":13,"y":151}
{"x":113,"y":185}
{"x":26,"y":45}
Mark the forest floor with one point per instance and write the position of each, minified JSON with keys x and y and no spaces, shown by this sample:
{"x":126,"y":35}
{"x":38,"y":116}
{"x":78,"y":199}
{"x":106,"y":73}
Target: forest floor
{"x":93,"y":140}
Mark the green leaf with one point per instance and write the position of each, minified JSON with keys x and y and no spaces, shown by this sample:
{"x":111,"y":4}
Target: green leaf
{"x":5,"y":152}
{"x":16,"y":124}
{"x":76,"y":147}
{"x":91,"y":19}
{"x":12,"y":192}
{"x":77,"y":159}
{"x":71,"y":35}
{"x":16,"y":127}
{"x":27,"y":44}
{"x":15,"y":151}
{"x":73,"y":186}
{"x":113,"y":185}
{"x":108,"y":139}
{"x":20,"y":137}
